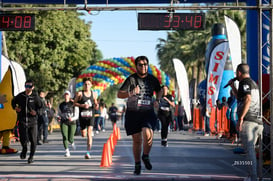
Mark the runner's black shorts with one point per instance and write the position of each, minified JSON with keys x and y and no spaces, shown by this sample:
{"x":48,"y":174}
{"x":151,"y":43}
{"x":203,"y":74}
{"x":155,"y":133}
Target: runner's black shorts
{"x":113,"y":119}
{"x":135,"y":121}
{"x":85,"y":122}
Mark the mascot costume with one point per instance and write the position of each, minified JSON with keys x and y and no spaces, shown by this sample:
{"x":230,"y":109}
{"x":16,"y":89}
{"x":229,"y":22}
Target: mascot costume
{"x":12,"y":82}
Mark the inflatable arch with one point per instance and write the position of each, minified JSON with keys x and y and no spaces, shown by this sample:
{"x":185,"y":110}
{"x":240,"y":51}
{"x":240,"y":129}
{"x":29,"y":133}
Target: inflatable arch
{"x":114,"y":71}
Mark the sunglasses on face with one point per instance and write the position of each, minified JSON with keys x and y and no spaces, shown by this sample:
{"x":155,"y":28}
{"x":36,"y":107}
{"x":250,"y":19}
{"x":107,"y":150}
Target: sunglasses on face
{"x":144,"y":64}
{"x":28,"y":86}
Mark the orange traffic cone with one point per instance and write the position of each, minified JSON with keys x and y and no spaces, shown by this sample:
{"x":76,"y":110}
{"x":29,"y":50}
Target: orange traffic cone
{"x":109,"y":152}
{"x":104,"y":157}
{"x":114,"y":127}
{"x":112,"y":142}
{"x":118,"y":134}
{"x":115,"y":138}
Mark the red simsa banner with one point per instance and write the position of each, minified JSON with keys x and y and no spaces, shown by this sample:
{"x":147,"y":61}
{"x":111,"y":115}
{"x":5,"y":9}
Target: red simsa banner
{"x":217,"y":62}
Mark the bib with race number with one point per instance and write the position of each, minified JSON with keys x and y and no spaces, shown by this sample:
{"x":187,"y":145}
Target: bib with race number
{"x":86,"y":114}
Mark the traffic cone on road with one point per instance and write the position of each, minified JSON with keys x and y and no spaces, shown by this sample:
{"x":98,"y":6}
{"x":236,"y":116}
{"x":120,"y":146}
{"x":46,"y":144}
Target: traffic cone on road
{"x":109,"y":152}
{"x":104,"y":157}
{"x":112,"y":142}
{"x":114,"y":127}
{"x":118,"y":134}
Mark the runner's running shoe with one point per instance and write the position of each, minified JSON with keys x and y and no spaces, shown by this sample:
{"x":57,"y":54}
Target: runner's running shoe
{"x":147,"y":163}
{"x":137,"y":168}
{"x":87,"y":156}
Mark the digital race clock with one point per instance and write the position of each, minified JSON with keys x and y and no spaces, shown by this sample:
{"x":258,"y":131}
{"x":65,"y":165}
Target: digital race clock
{"x":17,"y":22}
{"x":171,"y":21}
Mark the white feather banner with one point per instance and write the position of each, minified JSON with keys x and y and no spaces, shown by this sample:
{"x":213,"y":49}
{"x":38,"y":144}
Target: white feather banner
{"x":18,"y":74}
{"x":183,"y":84}
{"x":234,"y":39}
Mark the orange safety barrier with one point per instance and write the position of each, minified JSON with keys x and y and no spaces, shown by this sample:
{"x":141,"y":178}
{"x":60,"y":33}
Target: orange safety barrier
{"x":201,"y":121}
{"x":218,"y":121}
{"x":212,"y":121}
{"x":225,"y":121}
{"x":196,"y":119}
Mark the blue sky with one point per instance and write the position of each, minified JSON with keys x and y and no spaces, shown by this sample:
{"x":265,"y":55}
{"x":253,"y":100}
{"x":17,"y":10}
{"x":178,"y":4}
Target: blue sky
{"x":116,"y":35}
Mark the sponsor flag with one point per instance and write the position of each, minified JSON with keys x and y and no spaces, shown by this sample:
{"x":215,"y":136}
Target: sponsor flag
{"x":217,"y":62}
{"x":234,"y":39}
{"x":183,"y":84}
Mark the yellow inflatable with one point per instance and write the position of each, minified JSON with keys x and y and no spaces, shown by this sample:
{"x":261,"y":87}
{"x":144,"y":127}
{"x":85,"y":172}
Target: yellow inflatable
{"x":12,"y":83}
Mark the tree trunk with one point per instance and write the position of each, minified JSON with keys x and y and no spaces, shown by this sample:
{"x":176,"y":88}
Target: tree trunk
{"x":194,"y":77}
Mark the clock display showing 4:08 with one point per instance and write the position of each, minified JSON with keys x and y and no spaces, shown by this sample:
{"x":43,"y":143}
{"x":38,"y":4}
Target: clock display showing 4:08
{"x":17,"y":22}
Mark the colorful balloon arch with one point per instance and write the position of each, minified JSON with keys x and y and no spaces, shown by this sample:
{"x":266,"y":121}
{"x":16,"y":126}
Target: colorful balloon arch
{"x":114,"y":71}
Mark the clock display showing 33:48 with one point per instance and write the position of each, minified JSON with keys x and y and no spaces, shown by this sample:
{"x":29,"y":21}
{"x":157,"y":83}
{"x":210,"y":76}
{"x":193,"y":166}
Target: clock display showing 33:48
{"x":171,"y":21}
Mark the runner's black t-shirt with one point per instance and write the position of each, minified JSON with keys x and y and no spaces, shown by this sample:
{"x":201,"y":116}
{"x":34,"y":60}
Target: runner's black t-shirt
{"x":164,"y":104}
{"x":147,"y":86}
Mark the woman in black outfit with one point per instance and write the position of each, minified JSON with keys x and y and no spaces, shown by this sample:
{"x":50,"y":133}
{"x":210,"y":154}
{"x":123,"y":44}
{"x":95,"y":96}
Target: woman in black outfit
{"x":165,"y":114}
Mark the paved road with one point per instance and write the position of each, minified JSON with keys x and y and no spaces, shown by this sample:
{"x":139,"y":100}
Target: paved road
{"x":188,"y":157}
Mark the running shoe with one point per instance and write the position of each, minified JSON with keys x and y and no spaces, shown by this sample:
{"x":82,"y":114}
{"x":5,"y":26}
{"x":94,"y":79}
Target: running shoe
{"x":147,"y":163}
{"x":67,"y":154}
{"x":30,"y":160}
{"x":137,"y":169}
{"x":73,"y":146}
{"x":87,"y":156}
{"x":23,"y":155}
{"x":164,"y":143}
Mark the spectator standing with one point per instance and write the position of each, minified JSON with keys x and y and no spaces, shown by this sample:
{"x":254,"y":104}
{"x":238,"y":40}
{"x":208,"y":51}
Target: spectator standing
{"x":103,"y":116}
{"x":42,"y":120}
{"x":207,"y":122}
{"x":140,"y":118}
{"x":123,"y":115}
{"x":165,"y":113}
{"x":218,"y":108}
{"x":97,"y":119}
{"x":232,"y":116}
{"x":218,"y":104}
{"x":224,"y":102}
{"x":180,"y":116}
{"x":250,"y":124}
{"x":86,"y":100}
{"x":51,"y":116}
{"x":27,"y":104}
{"x":68,"y":115}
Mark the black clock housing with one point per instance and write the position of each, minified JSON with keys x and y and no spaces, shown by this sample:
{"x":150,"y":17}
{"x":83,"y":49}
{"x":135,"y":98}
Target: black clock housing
{"x":17,"y":22}
{"x":171,"y":21}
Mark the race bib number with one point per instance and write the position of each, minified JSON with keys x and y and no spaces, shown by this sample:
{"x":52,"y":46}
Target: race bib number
{"x":165,"y":108}
{"x":86,"y":114}
{"x":144,"y":102}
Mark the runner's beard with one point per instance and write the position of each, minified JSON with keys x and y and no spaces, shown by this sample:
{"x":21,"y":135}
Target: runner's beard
{"x":142,"y":74}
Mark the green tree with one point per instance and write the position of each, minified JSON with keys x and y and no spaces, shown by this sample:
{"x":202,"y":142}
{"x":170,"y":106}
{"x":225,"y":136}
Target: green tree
{"x":59,"y":49}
